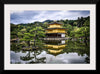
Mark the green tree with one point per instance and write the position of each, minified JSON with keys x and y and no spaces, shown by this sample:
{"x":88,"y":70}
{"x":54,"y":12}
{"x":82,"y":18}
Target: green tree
{"x":14,"y":30}
{"x":82,"y":32}
{"x":69,"y":29}
{"x":21,"y":33}
{"x":27,"y":37}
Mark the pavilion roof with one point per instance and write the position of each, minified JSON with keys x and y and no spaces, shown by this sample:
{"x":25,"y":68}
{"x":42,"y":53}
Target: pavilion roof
{"x":55,"y":23}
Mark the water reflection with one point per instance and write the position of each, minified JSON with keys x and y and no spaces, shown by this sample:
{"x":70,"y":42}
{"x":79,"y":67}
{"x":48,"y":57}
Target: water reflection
{"x":66,"y":58}
{"x":51,"y":52}
{"x":55,"y":47}
{"x":27,"y":58}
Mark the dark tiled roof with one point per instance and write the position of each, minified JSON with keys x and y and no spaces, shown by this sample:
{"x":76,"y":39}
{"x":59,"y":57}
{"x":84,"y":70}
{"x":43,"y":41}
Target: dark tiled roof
{"x":55,"y":23}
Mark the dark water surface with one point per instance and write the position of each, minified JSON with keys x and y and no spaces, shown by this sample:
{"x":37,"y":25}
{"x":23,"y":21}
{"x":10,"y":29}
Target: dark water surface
{"x":68,"y":52}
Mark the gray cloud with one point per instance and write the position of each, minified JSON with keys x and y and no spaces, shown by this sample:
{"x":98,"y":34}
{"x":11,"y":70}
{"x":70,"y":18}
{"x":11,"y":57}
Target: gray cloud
{"x":31,"y":16}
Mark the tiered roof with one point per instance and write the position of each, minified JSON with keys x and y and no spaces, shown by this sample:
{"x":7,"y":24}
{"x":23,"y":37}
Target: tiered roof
{"x":55,"y":23}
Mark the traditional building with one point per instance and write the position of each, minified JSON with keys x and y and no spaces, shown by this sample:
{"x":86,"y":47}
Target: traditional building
{"x":55,"y":30}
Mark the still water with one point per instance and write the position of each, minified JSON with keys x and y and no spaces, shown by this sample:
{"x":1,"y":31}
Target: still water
{"x":59,"y":52}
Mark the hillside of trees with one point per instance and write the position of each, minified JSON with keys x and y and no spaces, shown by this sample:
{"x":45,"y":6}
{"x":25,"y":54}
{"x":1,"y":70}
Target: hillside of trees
{"x":76,"y":30}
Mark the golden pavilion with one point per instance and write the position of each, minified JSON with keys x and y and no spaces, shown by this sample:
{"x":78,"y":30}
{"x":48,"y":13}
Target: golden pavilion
{"x":55,"y":30}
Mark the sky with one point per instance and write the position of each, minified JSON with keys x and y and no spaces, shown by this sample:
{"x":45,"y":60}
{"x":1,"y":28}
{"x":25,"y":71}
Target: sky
{"x":27,"y":16}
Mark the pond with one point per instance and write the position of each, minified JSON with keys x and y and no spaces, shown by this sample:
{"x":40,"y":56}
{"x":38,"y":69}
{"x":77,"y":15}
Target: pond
{"x":51,"y":52}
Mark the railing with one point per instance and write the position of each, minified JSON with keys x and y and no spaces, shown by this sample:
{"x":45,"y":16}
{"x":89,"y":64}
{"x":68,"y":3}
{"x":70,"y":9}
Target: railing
{"x":55,"y":38}
{"x":57,"y":32}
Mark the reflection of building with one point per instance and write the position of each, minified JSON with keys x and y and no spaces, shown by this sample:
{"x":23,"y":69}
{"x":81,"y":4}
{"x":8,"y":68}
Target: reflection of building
{"x":54,"y":47}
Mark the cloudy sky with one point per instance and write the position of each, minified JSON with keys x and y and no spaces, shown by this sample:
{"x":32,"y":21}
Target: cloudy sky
{"x":27,"y":16}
